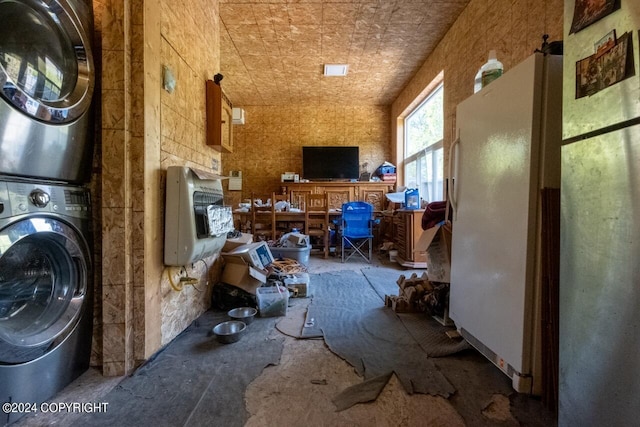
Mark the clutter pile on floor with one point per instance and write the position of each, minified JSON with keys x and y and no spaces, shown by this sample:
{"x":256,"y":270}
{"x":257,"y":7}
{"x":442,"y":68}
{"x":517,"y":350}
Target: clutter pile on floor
{"x":419,"y":294}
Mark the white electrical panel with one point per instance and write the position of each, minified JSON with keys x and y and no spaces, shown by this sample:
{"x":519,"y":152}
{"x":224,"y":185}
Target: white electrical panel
{"x":237,"y":116}
{"x":235,"y":180}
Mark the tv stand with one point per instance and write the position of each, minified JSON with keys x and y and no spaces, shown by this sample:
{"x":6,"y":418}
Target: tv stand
{"x":340,"y":192}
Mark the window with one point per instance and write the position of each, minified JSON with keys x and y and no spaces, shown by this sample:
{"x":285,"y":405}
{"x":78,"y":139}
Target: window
{"x":424,"y":154}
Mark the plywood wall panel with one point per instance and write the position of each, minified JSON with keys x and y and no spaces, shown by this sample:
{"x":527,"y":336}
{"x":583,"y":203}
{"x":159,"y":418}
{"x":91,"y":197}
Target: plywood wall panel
{"x":190,"y":48}
{"x":271,"y":141}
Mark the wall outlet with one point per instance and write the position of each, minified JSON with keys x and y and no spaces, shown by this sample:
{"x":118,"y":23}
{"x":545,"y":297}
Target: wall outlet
{"x":215,"y":164}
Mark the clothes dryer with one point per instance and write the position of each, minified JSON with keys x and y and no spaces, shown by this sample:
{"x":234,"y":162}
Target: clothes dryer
{"x":46,"y":314}
{"x":47,"y":81}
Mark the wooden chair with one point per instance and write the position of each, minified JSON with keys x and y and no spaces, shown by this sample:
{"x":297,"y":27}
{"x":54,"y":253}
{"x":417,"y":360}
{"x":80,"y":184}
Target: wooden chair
{"x":317,"y":219}
{"x":275,"y":198}
{"x":262,"y":218}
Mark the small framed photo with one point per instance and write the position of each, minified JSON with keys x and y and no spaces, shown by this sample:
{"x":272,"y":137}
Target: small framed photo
{"x":605,"y":43}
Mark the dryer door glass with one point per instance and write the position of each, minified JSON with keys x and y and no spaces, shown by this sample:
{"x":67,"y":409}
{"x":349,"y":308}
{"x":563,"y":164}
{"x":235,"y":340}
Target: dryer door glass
{"x":43,"y":60}
{"x":43,"y":276}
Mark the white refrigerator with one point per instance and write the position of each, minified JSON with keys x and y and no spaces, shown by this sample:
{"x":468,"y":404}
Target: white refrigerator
{"x":599,"y":381}
{"x":507,"y":150}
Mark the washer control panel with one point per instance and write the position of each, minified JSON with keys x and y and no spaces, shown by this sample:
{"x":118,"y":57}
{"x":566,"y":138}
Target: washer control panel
{"x":17,"y":198}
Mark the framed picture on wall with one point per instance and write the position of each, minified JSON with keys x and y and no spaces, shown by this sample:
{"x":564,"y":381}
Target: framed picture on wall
{"x":586,"y":12}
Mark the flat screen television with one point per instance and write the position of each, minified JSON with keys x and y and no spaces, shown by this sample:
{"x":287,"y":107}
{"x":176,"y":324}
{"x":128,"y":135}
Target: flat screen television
{"x":330,"y":163}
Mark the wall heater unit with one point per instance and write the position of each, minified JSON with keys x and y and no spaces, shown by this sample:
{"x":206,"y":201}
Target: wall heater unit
{"x":196,"y":220}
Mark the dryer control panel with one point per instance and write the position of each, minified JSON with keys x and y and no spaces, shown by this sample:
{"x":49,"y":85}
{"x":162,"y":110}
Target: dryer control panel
{"x":19,"y":198}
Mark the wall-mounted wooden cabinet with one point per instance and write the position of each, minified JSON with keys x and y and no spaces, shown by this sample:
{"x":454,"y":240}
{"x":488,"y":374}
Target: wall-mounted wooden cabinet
{"x":219,"y":118}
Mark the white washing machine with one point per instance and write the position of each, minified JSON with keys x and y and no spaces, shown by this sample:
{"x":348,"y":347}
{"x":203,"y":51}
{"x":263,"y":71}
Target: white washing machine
{"x":46,"y":297}
{"x":47,"y":80}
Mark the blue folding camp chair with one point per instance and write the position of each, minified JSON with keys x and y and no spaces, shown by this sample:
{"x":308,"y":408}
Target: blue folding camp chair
{"x":357,"y":230}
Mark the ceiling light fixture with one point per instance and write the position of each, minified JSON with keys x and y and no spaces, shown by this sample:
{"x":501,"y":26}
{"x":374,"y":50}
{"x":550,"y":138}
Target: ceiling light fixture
{"x":335,"y":70}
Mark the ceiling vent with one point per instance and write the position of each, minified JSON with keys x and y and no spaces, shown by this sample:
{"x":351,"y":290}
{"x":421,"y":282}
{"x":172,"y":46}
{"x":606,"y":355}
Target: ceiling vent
{"x":335,"y":70}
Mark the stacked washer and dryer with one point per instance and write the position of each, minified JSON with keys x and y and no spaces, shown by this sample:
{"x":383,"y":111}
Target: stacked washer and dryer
{"x":46,"y":148}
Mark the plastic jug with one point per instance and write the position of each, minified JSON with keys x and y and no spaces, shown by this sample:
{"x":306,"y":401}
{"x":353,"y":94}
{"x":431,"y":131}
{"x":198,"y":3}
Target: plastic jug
{"x":490,"y":71}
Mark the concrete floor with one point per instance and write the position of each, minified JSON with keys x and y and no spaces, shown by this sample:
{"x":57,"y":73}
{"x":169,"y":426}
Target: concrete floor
{"x":299,"y":390}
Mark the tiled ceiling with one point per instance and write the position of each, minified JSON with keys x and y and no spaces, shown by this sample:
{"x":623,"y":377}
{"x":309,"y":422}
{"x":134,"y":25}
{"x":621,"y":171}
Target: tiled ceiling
{"x":273,"y":51}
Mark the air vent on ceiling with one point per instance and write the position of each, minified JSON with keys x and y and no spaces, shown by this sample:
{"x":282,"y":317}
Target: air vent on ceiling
{"x":335,"y":70}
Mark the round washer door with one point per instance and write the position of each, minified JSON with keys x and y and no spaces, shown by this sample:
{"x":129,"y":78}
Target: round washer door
{"x":44,"y":267}
{"x":46,"y":65}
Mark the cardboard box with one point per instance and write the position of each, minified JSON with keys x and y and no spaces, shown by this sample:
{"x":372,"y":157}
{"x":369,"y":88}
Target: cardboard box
{"x":436,"y":241}
{"x":231,"y":244}
{"x":240,"y":273}
{"x":257,"y":254}
{"x":298,"y":239}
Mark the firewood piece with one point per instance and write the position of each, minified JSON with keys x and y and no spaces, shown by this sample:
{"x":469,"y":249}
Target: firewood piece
{"x":388,"y":300}
{"x":410,"y":294}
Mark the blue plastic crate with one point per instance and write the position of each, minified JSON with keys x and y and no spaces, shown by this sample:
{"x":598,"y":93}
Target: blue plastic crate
{"x":385,"y":169}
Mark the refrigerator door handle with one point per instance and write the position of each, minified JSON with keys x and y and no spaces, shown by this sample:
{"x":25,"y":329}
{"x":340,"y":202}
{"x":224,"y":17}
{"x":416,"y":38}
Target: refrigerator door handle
{"x":452,"y":187}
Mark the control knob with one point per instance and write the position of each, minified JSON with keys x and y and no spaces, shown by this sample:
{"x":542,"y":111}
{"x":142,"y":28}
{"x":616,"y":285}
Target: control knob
{"x":39,"y":198}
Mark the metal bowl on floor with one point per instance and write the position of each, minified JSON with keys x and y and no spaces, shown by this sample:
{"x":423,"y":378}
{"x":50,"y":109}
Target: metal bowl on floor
{"x":244,"y":314}
{"x":230,"y":331}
